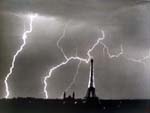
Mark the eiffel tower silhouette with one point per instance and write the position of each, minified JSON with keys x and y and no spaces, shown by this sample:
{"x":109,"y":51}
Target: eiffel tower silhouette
{"x":91,"y":85}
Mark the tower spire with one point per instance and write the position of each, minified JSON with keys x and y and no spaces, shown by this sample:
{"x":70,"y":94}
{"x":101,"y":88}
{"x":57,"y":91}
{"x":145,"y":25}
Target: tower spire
{"x":91,"y":84}
{"x":91,"y":76}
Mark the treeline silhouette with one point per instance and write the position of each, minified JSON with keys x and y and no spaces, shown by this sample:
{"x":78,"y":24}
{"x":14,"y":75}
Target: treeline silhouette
{"x":72,"y":105}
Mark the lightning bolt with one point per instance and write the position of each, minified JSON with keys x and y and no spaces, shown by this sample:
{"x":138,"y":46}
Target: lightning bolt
{"x":61,"y":37}
{"x":106,"y":51}
{"x":140,"y":60}
{"x":99,"y":41}
{"x":74,"y":78}
{"x":24,"y":37}
{"x":106,"y":48}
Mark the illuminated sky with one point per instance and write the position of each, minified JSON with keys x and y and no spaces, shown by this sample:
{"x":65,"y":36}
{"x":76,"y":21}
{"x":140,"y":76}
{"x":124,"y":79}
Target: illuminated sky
{"x":125,"y":22}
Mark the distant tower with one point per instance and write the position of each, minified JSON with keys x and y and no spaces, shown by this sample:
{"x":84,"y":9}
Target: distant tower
{"x":64,"y":95}
{"x":73,"y":95}
{"x":91,"y":86}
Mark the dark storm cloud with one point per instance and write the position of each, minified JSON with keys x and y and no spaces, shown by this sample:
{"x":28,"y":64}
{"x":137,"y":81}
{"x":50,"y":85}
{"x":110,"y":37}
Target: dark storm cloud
{"x":134,"y":25}
{"x":124,"y":22}
{"x":79,"y":9}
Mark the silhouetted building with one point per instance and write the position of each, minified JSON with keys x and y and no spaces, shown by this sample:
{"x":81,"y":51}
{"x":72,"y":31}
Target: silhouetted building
{"x":91,"y":94}
{"x":70,"y":99}
{"x":91,"y":85}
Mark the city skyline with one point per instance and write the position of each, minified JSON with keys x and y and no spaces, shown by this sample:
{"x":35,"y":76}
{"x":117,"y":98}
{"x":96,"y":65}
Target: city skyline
{"x":65,"y":29}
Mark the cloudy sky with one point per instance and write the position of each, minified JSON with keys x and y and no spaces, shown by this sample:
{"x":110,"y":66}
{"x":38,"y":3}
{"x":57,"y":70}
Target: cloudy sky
{"x":125,"y":22}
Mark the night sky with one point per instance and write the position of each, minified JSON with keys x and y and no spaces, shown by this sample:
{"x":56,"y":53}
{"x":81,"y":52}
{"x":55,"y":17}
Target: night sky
{"x":125,"y":22}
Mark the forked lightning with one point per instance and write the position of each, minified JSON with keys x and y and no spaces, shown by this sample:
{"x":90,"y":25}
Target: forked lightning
{"x":99,"y":41}
{"x":24,"y":38}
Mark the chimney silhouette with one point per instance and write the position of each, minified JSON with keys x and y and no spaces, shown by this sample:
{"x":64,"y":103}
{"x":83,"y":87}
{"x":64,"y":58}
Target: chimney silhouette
{"x":73,"y":95}
{"x":64,"y":96}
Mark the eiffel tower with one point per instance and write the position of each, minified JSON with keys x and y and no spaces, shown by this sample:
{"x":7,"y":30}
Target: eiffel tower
{"x":91,"y":85}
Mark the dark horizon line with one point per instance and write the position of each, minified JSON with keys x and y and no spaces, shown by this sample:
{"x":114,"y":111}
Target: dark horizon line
{"x":74,"y":98}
